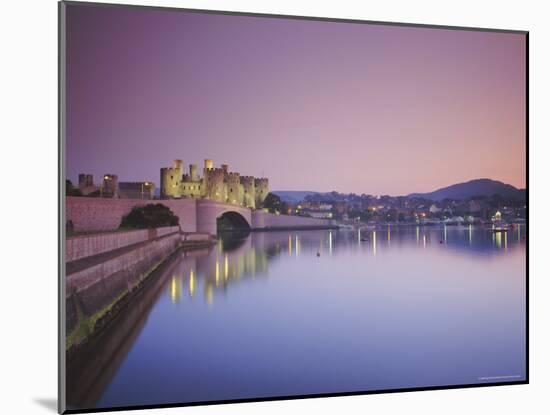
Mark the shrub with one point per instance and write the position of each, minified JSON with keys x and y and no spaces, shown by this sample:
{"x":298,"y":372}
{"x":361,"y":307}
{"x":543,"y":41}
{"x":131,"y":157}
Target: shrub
{"x":149,"y":216}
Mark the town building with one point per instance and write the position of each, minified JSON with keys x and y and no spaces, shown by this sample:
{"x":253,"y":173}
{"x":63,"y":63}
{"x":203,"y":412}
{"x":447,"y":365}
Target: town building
{"x":110,"y":187}
{"x":136,"y":190}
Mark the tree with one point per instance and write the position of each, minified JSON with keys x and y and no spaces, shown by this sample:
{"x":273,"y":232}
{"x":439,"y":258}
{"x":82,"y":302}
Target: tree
{"x":149,"y":216}
{"x":273,"y":203}
{"x":70,"y":190}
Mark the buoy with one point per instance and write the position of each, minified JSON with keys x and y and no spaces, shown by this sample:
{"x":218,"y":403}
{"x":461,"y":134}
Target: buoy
{"x":318,"y":254}
{"x":440,"y":241}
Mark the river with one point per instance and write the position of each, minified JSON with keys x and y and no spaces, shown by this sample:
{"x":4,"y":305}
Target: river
{"x":313,"y":312}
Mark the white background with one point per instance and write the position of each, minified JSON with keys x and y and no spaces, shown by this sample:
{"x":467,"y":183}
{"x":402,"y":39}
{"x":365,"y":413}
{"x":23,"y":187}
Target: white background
{"x":28,"y":124}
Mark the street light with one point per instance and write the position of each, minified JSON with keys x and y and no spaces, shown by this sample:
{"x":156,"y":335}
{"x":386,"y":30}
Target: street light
{"x":142,"y":188}
{"x":106,"y":177}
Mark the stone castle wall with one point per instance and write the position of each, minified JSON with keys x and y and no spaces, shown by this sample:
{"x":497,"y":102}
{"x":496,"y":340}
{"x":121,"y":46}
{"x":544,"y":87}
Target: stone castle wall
{"x":217,"y":184}
{"x":195,"y":215}
{"x":105,"y":214}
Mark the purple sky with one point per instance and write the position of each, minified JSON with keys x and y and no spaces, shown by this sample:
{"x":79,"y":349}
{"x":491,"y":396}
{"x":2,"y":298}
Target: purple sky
{"x":311,"y":105}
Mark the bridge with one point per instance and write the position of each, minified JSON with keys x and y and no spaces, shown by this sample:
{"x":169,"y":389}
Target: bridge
{"x":195,"y":215}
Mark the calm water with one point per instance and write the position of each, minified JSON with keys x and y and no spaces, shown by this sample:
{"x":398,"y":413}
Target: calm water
{"x":265,"y":316}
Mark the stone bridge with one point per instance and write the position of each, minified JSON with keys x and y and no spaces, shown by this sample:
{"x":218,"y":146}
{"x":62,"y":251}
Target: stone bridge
{"x":196,"y":215}
{"x":208,"y":212}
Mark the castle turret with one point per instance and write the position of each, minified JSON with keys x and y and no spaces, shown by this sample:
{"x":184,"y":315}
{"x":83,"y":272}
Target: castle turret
{"x":215,"y":188}
{"x":262,"y":189}
{"x":234,"y":188}
{"x":193,"y":172}
{"x":249,"y":191}
{"x":85,"y":180}
{"x":109,"y":185}
{"x":170,"y":180}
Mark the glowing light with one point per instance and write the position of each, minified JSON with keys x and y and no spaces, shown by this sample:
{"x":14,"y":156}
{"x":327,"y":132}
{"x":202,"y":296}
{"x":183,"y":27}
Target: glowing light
{"x":498,"y":239}
{"x":359,"y":236}
{"x":217,"y":272}
{"x":470,"y":234}
{"x":374,"y":243}
{"x":389,"y":235}
{"x":289,"y":245}
{"x":330,"y":242}
{"x":297,"y":246}
{"x":417,"y":234}
{"x":445,"y":233}
{"x":175,"y":290}
{"x":209,"y":295}
{"x":424,"y":240}
{"x":191,"y":283}
{"x":226,"y":267}
{"x":505,"y":241}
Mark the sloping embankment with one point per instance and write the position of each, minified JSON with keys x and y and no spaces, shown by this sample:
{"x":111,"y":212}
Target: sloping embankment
{"x":119,"y":264}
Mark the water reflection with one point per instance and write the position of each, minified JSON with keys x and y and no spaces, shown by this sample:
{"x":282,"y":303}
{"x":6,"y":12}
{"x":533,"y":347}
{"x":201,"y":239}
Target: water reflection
{"x":256,"y":310}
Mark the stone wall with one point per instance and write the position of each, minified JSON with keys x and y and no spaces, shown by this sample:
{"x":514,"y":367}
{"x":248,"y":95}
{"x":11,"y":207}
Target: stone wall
{"x":105,"y":214}
{"x":196,"y":215}
{"x":87,"y":245}
{"x":90,"y":291}
{"x":261,"y":220}
{"x":208,"y":211}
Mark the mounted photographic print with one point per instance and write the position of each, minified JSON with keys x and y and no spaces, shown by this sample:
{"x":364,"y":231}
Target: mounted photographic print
{"x":259,"y":207}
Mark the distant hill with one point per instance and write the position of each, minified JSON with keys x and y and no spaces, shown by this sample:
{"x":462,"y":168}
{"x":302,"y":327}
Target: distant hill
{"x":479,"y":187}
{"x":292,"y":196}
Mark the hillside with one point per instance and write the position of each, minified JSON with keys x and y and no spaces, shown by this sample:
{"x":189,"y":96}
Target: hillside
{"x":479,"y":187}
{"x":292,"y":196}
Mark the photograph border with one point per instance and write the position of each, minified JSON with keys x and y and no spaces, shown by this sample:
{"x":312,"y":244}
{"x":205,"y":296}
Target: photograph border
{"x":61,"y":207}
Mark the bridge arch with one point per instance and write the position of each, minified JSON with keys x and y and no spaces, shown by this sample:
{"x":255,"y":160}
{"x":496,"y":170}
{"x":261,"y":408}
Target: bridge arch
{"x":210,"y":213}
{"x":231,"y":221}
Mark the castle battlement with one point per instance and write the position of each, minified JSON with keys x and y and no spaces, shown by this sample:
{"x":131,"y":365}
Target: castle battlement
{"x":218,"y":184}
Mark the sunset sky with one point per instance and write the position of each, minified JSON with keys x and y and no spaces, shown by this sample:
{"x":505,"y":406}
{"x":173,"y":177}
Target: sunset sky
{"x":311,"y":105}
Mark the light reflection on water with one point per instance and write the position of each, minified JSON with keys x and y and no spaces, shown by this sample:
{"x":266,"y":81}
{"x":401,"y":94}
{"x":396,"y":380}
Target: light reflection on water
{"x":284,"y":313}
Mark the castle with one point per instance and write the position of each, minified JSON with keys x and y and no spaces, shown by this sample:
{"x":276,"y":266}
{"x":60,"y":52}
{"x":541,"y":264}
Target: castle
{"x":216,"y":183}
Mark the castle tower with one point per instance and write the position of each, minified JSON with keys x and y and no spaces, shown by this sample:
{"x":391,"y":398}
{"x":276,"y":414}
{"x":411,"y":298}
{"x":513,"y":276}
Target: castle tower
{"x":193,"y":172}
{"x":262,"y":189}
{"x":109,"y":185}
{"x":234,"y":189}
{"x":249,"y":191}
{"x":214,"y":184}
{"x":85,"y":180}
{"x":170,"y":180}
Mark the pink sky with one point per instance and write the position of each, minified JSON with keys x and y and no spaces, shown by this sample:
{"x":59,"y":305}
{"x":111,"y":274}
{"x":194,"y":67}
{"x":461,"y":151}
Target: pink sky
{"x":312,"y":105}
